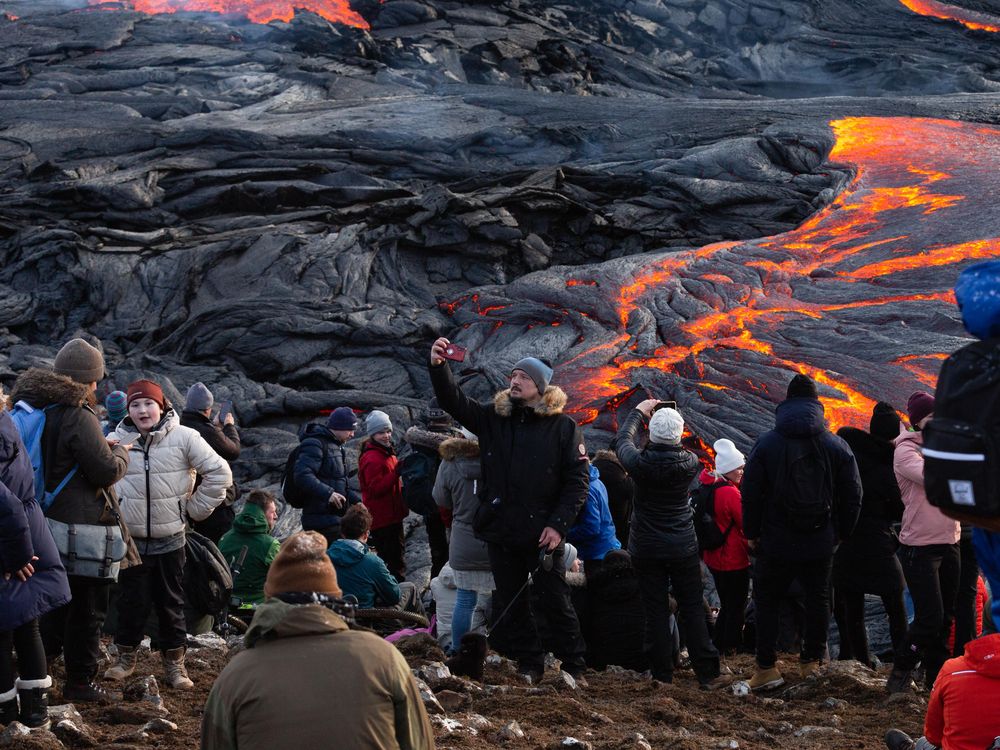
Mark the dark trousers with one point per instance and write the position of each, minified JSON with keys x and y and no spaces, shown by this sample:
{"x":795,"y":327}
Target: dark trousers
{"x":389,"y":544}
{"x":772,"y":579}
{"x":518,"y":631}
{"x":157,"y":584}
{"x":27,"y":642}
{"x":849,"y":611}
{"x":437,"y":537}
{"x":733,"y":586}
{"x":656,"y":576}
{"x":932,"y":574}
{"x":965,"y":600}
{"x":74,"y":630}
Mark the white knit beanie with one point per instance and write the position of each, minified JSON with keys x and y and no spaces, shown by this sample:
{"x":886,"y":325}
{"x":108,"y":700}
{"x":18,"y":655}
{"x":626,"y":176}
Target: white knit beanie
{"x":666,"y":426}
{"x":727,"y":457}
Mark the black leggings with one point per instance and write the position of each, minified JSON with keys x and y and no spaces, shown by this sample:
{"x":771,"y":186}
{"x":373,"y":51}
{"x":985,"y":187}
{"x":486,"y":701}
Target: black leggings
{"x":31,"y":665}
{"x":733,"y":587}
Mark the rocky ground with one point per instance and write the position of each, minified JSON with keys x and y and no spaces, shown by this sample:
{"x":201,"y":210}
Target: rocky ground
{"x":844,"y":706}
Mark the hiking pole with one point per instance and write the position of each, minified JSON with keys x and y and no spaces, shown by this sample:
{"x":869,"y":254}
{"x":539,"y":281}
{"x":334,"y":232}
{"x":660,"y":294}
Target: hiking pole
{"x":544,"y":563}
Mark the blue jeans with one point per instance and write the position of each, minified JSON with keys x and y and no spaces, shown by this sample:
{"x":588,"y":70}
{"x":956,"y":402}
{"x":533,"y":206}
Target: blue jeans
{"x":461,"y":619}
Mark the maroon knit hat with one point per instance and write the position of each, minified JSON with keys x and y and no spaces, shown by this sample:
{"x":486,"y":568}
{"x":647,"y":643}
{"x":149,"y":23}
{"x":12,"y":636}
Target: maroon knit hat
{"x":146,"y":389}
{"x":918,"y":406}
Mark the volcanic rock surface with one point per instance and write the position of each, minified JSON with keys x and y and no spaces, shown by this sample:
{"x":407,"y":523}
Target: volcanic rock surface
{"x":693,"y":199}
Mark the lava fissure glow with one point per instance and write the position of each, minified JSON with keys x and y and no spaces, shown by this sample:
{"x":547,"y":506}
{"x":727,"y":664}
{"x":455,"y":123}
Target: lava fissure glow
{"x":968,"y":18}
{"x":258,"y":11}
{"x":906,"y":209}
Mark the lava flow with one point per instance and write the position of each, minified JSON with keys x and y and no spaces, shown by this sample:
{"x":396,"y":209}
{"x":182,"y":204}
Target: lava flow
{"x":835,"y":299}
{"x":258,"y":11}
{"x":968,"y":18}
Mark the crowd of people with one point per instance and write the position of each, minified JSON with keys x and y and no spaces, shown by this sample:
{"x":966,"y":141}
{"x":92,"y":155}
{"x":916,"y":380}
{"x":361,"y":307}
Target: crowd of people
{"x":536,"y":546}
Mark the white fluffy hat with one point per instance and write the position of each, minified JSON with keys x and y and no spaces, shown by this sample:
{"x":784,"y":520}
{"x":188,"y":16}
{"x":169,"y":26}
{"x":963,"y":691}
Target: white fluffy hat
{"x":666,"y":426}
{"x":727,"y":456}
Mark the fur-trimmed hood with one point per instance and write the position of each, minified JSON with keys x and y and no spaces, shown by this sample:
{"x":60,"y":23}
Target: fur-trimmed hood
{"x":553,"y":402}
{"x":40,"y":388}
{"x":429,"y":439}
{"x":456,"y":448}
{"x":606,"y":455}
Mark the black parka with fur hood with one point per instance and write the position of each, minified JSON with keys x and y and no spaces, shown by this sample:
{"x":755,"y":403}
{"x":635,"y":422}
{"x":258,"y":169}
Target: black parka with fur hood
{"x":535,"y":472}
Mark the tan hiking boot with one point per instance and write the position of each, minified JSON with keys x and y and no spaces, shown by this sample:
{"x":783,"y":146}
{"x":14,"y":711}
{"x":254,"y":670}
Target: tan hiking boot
{"x":766,"y":679}
{"x":124,"y":666}
{"x":173,"y":663}
{"x":809,"y":669}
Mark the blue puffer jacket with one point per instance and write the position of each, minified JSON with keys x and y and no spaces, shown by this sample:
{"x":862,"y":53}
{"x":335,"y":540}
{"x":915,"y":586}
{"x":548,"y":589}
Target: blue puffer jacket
{"x":593,"y":534}
{"x":23,"y":534}
{"x":321,"y":468}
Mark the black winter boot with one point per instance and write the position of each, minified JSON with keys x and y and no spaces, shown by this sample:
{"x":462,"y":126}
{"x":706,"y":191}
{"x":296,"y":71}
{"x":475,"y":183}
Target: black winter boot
{"x":34,"y":698}
{"x":8,"y":706}
{"x":470,"y":659}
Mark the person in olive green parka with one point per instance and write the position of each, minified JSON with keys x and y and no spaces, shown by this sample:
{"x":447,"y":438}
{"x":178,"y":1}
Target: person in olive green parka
{"x":252,"y":529}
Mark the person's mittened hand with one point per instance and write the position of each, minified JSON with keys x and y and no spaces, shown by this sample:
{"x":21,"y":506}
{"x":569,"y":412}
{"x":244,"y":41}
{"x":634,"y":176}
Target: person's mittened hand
{"x":549,"y":539}
{"x":647,"y":406}
{"x":437,"y":351}
{"x":337,"y":500}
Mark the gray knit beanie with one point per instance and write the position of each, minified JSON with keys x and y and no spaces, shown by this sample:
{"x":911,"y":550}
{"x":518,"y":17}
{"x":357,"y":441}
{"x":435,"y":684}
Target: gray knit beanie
{"x":199,"y":398}
{"x":377,"y":421}
{"x":538,"y":370}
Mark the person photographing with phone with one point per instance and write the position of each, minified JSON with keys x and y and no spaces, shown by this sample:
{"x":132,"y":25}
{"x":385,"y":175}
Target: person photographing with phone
{"x":535,"y":479}
{"x":222,"y":436}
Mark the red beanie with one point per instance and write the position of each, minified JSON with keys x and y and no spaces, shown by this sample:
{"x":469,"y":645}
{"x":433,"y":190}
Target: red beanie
{"x":146,"y":389}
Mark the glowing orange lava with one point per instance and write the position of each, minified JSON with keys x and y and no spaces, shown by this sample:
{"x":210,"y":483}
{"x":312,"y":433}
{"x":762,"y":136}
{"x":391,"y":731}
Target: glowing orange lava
{"x":258,"y":11}
{"x":915,"y":204}
{"x":968,"y":18}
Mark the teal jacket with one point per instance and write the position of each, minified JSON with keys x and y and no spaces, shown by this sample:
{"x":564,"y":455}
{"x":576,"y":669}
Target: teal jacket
{"x":250,"y":529}
{"x":362,"y":573}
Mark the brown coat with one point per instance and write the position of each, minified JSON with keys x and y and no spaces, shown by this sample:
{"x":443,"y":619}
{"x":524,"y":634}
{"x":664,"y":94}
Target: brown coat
{"x":89,"y":496}
{"x":305,"y":680}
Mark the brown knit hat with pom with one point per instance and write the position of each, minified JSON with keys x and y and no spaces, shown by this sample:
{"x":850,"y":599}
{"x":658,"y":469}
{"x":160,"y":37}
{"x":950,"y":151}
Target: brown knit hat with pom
{"x":302,"y":565}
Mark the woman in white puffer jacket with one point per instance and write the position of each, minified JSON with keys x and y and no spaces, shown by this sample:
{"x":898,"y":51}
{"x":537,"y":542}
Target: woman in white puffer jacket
{"x":157,"y":495}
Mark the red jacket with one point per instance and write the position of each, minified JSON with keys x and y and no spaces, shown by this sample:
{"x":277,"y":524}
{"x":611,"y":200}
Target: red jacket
{"x":734,"y":554}
{"x":381,"y":487}
{"x":964,"y":709}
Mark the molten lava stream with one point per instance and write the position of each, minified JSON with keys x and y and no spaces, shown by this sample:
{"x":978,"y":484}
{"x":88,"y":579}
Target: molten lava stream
{"x":968,"y":18}
{"x":915,"y":204}
{"x":258,"y":11}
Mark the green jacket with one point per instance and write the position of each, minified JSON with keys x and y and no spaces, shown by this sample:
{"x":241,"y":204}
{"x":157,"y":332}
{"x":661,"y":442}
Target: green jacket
{"x":304,"y":680}
{"x":362,"y":573}
{"x":250,"y":529}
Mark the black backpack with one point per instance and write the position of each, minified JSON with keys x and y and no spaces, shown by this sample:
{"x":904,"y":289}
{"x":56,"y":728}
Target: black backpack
{"x":292,"y":495}
{"x":418,"y":471}
{"x":962,"y":442}
{"x":804,"y":488}
{"x":710,"y":536}
{"x":208,"y":582}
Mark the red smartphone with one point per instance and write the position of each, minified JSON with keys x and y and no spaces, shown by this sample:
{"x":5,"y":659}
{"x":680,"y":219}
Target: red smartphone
{"x":455,"y":353}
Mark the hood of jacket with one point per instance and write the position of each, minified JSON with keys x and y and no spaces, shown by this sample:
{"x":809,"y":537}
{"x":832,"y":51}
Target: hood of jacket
{"x":983,"y":654}
{"x":595,"y":474}
{"x":167,"y":422}
{"x":708,"y":477}
{"x":553,"y":402}
{"x":610,"y":456}
{"x":454,"y":449}
{"x":252,"y":520}
{"x":346,"y":553}
{"x":908,"y":436}
{"x":800,"y":418}
{"x":276,"y":619}
{"x":429,"y":439}
{"x":40,"y":388}
{"x":367,"y":444}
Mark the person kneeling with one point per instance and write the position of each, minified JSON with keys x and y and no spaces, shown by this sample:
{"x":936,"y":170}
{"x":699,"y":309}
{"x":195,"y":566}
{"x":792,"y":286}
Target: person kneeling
{"x":297,"y":642}
{"x":362,"y":573}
